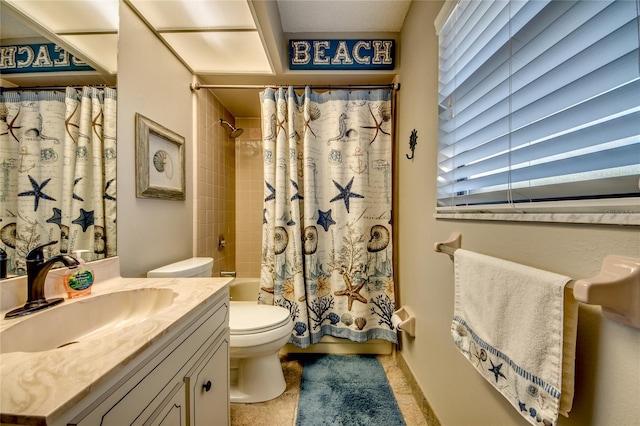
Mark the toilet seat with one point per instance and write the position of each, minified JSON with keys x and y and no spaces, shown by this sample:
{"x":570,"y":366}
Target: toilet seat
{"x":251,"y":318}
{"x":253,"y":324}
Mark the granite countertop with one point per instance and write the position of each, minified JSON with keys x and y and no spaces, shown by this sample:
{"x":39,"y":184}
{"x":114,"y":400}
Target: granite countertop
{"x":43,"y":385}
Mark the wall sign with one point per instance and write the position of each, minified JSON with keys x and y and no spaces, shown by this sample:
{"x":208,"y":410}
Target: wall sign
{"x":42,"y":57}
{"x":341,"y":54}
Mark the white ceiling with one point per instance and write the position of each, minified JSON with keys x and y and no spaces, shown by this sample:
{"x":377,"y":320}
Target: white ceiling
{"x":211,"y":37}
{"x":340,"y":16}
{"x":244,"y":40}
{"x":90,"y":27}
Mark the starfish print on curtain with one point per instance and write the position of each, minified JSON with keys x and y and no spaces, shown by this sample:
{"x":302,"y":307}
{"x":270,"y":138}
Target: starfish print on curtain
{"x":37,"y":192}
{"x":385,"y":116}
{"x":345,"y":193}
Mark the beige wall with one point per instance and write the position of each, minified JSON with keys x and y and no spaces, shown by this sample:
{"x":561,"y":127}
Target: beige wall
{"x":215,"y":180}
{"x":608,"y":354}
{"x":151,"y":81}
{"x":152,"y":233}
{"x":249,"y":198}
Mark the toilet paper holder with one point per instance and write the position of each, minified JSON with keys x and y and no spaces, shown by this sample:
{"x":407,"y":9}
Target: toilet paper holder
{"x":403,"y":320}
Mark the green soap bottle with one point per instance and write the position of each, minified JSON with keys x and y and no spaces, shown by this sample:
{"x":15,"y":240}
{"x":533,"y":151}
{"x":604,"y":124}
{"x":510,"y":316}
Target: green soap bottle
{"x":79,"y":278}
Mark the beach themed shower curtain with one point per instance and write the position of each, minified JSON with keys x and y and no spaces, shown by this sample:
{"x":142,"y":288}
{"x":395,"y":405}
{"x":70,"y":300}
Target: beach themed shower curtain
{"x":57,"y":173}
{"x":326,"y":245}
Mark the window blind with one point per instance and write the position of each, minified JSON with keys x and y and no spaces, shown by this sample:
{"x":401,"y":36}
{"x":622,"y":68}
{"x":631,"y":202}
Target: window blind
{"x":538,"y":101}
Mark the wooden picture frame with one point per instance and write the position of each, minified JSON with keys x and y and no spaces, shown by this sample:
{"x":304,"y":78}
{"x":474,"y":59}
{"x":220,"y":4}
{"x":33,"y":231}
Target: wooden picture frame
{"x":160,"y":161}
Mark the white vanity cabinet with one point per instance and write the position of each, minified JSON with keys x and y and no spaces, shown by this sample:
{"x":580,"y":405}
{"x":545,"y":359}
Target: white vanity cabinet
{"x":207,"y":387}
{"x":183,"y":380}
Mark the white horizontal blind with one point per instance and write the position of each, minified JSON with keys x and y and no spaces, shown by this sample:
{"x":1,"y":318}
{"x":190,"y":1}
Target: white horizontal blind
{"x":539,"y":101}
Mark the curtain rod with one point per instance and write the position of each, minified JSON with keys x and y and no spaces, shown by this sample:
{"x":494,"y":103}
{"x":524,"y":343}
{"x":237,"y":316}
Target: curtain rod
{"x":197,"y":86}
{"x":54,"y":87}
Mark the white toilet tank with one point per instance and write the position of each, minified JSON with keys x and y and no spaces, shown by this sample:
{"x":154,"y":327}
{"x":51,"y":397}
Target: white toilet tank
{"x":194,"y":267}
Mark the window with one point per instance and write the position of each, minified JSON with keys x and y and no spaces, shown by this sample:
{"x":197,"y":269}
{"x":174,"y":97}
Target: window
{"x":539,"y":107}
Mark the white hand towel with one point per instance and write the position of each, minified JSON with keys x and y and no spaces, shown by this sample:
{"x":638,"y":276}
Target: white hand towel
{"x":517,"y":326}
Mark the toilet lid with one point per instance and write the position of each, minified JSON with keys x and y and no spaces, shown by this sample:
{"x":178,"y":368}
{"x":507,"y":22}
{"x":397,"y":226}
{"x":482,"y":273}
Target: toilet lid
{"x":251,"y":318}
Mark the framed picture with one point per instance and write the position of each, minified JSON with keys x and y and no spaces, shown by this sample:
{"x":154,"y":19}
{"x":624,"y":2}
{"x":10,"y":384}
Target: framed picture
{"x":159,"y":161}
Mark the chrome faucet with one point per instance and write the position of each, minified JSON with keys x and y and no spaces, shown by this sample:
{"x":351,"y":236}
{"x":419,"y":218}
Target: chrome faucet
{"x":37,"y":269}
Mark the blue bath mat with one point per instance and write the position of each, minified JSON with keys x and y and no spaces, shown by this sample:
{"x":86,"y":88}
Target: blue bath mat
{"x":346,"y":390}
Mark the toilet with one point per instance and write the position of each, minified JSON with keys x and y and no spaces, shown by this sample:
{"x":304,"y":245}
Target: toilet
{"x":257,"y":333}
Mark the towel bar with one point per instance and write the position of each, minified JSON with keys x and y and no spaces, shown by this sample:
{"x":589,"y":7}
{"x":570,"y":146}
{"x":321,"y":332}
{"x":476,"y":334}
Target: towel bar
{"x":449,"y":246}
{"x":616,"y":288}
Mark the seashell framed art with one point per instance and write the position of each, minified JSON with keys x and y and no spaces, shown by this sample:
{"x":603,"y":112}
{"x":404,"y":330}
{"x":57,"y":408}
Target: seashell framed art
{"x":159,"y":160}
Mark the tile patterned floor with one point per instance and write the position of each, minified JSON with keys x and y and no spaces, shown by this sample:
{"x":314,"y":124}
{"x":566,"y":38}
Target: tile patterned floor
{"x":283,"y":410}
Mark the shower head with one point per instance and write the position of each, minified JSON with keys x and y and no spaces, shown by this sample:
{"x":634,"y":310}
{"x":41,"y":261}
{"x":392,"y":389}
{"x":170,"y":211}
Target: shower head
{"x":235,"y":132}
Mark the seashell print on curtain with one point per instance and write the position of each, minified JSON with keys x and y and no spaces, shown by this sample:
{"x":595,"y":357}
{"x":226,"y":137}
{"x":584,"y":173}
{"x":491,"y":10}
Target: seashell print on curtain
{"x":326,"y":244}
{"x":57,"y":173}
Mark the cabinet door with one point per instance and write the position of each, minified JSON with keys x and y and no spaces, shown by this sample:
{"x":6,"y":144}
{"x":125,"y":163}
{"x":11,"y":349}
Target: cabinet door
{"x":172,"y":411}
{"x":208,"y":386}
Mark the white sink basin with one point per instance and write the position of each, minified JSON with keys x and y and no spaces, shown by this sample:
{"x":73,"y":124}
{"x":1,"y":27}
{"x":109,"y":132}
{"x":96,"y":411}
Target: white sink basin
{"x":72,"y":322}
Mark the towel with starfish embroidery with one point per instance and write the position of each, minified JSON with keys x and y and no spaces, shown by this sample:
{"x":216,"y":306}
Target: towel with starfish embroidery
{"x":517,"y":326}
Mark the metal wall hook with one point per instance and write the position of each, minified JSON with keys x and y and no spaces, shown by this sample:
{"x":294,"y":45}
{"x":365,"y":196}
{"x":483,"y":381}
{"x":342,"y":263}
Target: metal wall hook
{"x":413,"y":141}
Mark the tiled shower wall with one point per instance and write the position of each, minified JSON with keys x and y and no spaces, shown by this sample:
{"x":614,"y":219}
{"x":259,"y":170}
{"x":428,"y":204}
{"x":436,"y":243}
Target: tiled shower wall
{"x":216,"y":186}
{"x":249,"y":197}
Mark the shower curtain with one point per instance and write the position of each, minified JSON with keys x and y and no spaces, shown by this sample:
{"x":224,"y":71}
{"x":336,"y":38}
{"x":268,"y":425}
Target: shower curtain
{"x":326,"y":245}
{"x":58,"y":173}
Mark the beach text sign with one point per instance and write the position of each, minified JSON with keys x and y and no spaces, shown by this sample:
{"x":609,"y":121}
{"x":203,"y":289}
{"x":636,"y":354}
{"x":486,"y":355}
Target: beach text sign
{"x":334,"y":54}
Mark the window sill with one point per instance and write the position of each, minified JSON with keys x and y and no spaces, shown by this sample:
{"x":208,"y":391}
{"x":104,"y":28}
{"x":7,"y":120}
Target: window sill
{"x":631,"y":218}
{"x":613,"y":211}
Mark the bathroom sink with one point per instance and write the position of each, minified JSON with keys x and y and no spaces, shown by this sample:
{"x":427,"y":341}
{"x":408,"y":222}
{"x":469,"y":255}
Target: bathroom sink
{"x":74,"y":321}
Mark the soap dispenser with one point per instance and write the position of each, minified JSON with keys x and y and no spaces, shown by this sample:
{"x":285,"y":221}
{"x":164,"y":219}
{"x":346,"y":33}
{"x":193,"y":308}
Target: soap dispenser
{"x":79,"y":278}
